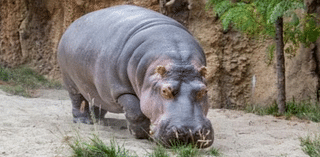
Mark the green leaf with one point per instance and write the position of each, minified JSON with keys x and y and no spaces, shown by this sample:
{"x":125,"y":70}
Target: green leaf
{"x":222,"y":7}
{"x":295,"y":20}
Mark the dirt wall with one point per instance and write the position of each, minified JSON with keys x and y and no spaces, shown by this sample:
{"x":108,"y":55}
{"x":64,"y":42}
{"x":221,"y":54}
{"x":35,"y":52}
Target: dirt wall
{"x":238,"y":69}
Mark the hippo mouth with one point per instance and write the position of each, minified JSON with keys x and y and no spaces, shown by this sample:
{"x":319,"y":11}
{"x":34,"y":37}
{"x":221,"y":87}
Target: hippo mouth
{"x":173,"y":136}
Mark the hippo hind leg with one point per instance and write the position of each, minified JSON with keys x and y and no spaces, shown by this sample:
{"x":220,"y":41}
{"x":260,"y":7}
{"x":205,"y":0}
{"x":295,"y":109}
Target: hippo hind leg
{"x":80,"y":106}
{"x":99,"y":113}
{"x":81,"y":110}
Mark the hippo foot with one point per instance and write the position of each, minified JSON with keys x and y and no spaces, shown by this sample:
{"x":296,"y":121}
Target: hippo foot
{"x":87,"y":118}
{"x":84,"y":120}
{"x":140,"y":130}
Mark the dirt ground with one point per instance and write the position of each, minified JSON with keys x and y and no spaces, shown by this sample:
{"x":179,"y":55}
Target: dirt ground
{"x":40,"y":126}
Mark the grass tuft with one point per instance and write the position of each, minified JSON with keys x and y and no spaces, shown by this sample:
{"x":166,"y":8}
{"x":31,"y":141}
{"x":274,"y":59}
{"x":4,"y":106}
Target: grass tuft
{"x":303,"y":110}
{"x":214,"y":152}
{"x":270,"y":110}
{"x":183,"y":150}
{"x":23,"y":81}
{"x":311,"y":146}
{"x":16,"y":90}
{"x":4,"y":74}
{"x":96,"y":148}
{"x":159,"y":151}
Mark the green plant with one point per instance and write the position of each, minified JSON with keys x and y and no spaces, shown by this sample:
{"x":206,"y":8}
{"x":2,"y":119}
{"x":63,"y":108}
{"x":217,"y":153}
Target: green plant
{"x":96,"y":148}
{"x":183,"y":150}
{"x":214,"y":152}
{"x":4,"y":74}
{"x":16,"y":90}
{"x":311,"y":146}
{"x":257,"y":18}
{"x":270,"y":53}
{"x":302,"y":110}
{"x":269,"y":110}
{"x":22,"y":80}
{"x":159,"y":151}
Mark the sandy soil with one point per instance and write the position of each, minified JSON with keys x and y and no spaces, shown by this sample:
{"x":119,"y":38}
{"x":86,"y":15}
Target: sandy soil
{"x":40,"y":127}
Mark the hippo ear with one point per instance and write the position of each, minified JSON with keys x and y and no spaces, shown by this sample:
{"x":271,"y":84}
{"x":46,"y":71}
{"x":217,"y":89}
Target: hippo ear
{"x":170,"y":3}
{"x":202,"y":93}
{"x":160,"y":70}
{"x":203,"y":71}
{"x":167,"y":91}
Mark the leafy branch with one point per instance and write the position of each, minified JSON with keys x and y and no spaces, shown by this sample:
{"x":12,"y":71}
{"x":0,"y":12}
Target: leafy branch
{"x":257,"y":18}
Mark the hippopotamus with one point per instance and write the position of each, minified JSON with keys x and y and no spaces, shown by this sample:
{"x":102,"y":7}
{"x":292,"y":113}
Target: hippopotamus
{"x":128,"y":59}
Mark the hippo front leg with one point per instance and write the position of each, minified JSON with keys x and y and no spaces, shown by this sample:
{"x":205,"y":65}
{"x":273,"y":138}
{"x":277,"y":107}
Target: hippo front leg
{"x":138,"y":123}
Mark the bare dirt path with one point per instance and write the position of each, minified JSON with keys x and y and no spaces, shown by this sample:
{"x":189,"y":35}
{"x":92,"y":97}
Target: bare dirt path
{"x":39,"y":126}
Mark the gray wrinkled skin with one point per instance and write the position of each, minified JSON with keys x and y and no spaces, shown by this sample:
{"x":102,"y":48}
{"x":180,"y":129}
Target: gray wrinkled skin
{"x":111,"y":56}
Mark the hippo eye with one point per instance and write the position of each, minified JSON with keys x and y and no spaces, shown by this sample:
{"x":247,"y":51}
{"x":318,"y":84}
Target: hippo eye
{"x":201,"y":94}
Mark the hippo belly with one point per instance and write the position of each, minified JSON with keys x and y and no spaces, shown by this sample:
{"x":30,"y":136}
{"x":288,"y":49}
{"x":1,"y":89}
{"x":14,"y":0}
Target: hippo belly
{"x":137,"y":61}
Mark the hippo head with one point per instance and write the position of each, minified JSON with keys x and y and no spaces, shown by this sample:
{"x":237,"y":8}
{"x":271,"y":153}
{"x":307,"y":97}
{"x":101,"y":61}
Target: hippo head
{"x":175,"y":100}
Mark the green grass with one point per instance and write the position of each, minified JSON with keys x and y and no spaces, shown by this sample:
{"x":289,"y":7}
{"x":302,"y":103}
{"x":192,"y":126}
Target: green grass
{"x":269,"y":110}
{"x":311,"y":146}
{"x":16,"y":90}
{"x":23,"y":81}
{"x":159,"y":151}
{"x":213,"y":152}
{"x":96,"y":148}
{"x":183,"y":150}
{"x":303,"y":110}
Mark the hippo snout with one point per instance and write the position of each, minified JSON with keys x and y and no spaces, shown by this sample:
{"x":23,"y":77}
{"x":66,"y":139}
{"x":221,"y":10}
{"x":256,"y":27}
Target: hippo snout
{"x":201,"y":135}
